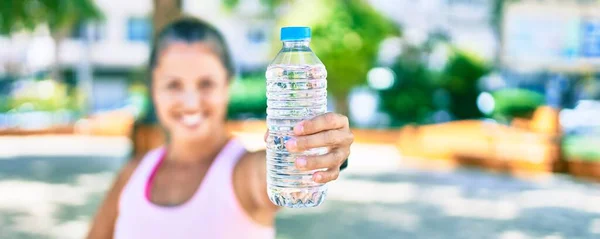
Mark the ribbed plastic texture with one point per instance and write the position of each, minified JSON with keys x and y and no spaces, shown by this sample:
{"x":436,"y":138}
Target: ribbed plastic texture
{"x":296,"y":90}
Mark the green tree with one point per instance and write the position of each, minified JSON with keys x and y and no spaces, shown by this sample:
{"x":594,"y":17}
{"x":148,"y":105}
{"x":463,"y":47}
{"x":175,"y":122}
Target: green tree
{"x":420,"y":90}
{"x":16,"y":15}
{"x":460,"y":79}
{"x":345,"y":36}
{"x":59,"y":15}
{"x":271,"y":4}
{"x":410,"y":99}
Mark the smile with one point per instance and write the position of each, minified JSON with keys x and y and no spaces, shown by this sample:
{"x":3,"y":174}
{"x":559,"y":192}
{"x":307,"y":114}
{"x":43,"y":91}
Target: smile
{"x":191,"y":120}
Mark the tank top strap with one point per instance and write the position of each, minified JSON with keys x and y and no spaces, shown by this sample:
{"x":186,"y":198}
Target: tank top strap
{"x":136,"y":184}
{"x":230,"y":155}
{"x":213,"y":212}
{"x":149,"y":162}
{"x":221,"y":172}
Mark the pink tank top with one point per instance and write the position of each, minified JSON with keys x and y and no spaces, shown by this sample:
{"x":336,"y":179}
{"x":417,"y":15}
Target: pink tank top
{"x":212,"y":212}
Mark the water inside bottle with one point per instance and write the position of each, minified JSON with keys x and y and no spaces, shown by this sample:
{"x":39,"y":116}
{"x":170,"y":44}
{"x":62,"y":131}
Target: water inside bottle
{"x":294,"y":93}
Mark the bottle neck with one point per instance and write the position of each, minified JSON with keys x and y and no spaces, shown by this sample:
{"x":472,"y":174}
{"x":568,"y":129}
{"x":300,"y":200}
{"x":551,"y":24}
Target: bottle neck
{"x":297,"y":45}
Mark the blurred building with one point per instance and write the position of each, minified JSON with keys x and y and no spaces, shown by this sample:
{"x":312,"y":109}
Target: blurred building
{"x":112,"y":51}
{"x":465,"y":22}
{"x":248,"y":28}
{"x":121,"y":41}
{"x":559,"y":36}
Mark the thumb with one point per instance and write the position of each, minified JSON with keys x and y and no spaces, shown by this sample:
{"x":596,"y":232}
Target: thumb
{"x":266,"y":135}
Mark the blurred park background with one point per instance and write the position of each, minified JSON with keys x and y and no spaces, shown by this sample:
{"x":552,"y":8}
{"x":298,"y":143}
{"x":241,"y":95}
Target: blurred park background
{"x":473,"y":118}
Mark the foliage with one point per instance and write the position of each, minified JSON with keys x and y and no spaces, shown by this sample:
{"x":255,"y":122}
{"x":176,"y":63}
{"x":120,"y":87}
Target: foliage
{"x":139,"y":99}
{"x":18,"y":15}
{"x":4,"y":104}
{"x":248,"y":97}
{"x":460,"y":80}
{"x":420,"y":90}
{"x":516,"y":103}
{"x":409,"y":99}
{"x":270,"y":4}
{"x":345,"y":36}
{"x":576,"y":147}
{"x":45,"y":95}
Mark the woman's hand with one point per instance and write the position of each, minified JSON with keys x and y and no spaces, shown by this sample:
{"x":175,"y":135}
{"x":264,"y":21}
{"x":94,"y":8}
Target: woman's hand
{"x":329,"y":130}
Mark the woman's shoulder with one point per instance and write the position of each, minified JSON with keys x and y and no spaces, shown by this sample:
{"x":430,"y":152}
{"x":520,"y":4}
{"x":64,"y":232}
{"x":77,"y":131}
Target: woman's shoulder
{"x":133,"y":164}
{"x":104,"y":221}
{"x":249,"y":180}
{"x":137,"y":160}
{"x":127,"y":170}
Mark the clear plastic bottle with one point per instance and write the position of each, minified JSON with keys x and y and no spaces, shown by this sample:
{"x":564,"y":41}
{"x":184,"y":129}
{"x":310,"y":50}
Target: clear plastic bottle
{"x":296,"y":90}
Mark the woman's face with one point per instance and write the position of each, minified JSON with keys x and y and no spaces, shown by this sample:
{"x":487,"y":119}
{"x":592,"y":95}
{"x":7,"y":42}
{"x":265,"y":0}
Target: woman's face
{"x":191,"y":91}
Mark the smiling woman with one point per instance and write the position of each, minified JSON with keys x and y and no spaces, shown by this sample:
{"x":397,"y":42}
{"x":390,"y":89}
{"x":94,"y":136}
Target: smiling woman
{"x":202,"y":174}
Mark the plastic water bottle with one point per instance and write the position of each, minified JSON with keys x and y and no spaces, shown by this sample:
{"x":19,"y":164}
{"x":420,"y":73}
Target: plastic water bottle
{"x":296,"y":90}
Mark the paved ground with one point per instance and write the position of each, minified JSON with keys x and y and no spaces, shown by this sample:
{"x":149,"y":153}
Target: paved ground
{"x":55,"y":196}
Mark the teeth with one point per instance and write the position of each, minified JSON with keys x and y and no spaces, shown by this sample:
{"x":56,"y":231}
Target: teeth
{"x":191,"y":120}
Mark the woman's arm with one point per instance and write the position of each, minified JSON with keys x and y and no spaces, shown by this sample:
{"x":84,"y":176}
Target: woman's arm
{"x":329,"y":130}
{"x":250,"y":186}
{"x":104,"y":223}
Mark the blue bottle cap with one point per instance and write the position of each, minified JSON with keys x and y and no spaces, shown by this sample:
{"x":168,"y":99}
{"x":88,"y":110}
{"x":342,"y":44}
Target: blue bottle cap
{"x":295,"y":33}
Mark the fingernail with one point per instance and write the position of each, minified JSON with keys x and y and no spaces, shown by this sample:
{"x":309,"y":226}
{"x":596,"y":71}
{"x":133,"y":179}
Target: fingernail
{"x":318,"y":178}
{"x":301,"y":162}
{"x":299,"y":129}
{"x":291,"y":144}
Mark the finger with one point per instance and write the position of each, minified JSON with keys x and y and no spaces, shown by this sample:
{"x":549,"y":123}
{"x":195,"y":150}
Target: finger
{"x":266,"y":136}
{"x":320,"y":123}
{"x":331,"y":138}
{"x":326,"y":176}
{"x":329,"y":160}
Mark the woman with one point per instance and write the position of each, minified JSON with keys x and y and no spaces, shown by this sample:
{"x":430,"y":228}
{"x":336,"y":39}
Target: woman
{"x":202,"y":183}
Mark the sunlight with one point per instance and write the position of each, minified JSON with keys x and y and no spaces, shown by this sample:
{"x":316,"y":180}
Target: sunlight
{"x":38,"y":202}
{"x":451,"y":202}
{"x":477,"y":208}
{"x":513,"y":235}
{"x":372,"y":192}
{"x":15,"y":146}
{"x":561,"y":199}
{"x":71,"y":229}
{"x":405,"y":220}
{"x":595,"y":226}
